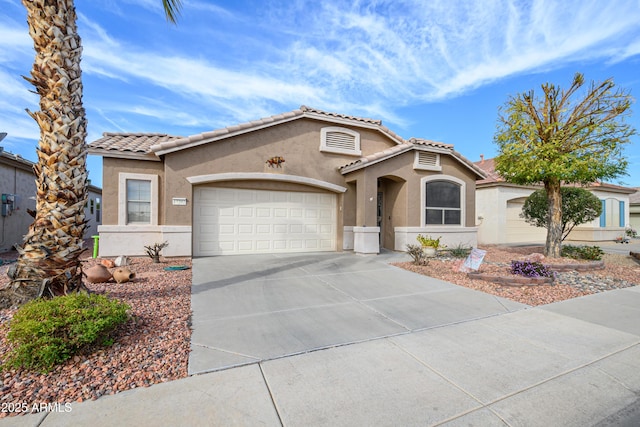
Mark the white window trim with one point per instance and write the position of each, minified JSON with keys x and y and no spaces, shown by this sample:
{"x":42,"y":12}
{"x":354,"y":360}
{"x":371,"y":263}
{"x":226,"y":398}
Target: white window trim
{"x":416,"y":164}
{"x":423,"y":199}
{"x":122,"y":196}
{"x":323,"y":141}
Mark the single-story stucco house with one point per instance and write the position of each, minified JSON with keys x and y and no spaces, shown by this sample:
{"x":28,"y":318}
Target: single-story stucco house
{"x":634,"y":210}
{"x":18,"y":190}
{"x":499,"y":204}
{"x":302,"y":181}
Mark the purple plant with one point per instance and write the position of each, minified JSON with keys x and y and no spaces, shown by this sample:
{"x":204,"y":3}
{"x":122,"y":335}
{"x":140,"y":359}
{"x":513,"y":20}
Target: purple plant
{"x":530,"y":269}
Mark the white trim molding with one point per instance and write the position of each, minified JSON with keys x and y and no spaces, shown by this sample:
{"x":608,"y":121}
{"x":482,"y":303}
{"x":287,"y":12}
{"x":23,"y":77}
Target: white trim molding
{"x":245,"y":176}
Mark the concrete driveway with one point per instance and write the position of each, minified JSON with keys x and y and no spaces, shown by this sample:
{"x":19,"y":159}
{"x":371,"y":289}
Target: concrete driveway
{"x":253,"y":308}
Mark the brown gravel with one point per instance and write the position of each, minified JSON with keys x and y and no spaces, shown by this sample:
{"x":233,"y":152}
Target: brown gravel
{"x":497,"y":260}
{"x":153,"y":347}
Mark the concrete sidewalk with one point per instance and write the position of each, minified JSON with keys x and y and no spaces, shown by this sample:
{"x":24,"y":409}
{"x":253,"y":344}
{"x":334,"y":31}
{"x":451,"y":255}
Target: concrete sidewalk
{"x":572,"y":363}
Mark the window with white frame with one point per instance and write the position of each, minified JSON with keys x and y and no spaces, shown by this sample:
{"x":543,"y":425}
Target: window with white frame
{"x":443,"y":201}
{"x":340,"y":140}
{"x":613,"y":213}
{"x":138,"y":199}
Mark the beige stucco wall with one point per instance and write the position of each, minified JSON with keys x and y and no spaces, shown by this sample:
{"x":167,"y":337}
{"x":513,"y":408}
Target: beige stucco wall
{"x":298,"y":142}
{"x":111,"y":168}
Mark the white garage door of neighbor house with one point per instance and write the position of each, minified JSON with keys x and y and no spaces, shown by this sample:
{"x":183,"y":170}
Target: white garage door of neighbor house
{"x":230,"y":221}
{"x":520,"y":231}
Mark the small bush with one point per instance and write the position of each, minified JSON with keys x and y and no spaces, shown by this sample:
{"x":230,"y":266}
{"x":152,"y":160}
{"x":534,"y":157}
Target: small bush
{"x":582,"y":252}
{"x":44,"y":333}
{"x":530,"y":269}
{"x":460,"y":251}
{"x":417,"y":254}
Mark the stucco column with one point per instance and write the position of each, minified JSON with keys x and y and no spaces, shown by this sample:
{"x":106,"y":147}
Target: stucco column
{"x":366,"y":233}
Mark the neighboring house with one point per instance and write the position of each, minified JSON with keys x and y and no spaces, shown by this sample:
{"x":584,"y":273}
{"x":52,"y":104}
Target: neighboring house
{"x":93,"y":211}
{"x":499,"y":204}
{"x":18,"y":190}
{"x":634,"y":210}
{"x":302,"y":181}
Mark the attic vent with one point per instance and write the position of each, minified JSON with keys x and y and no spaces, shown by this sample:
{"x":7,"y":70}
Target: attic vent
{"x":340,"y":140}
{"x":426,"y":160}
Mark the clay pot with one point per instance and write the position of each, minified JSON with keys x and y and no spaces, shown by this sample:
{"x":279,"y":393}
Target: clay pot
{"x":108,"y":263}
{"x":123,"y":274}
{"x":97,"y":274}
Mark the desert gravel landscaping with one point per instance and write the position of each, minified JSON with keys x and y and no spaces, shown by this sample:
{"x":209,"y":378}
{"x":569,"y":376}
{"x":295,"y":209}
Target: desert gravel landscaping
{"x":620,"y":271}
{"x":153,"y":347}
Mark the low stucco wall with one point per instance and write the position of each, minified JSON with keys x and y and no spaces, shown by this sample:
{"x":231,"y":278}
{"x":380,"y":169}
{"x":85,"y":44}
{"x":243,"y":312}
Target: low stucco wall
{"x":451,"y":236}
{"x":131,"y":240}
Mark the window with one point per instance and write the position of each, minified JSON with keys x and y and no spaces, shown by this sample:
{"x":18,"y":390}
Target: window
{"x":443,"y":201}
{"x":98,"y":216}
{"x":340,"y":140}
{"x":138,"y":199}
{"x":613,"y":213}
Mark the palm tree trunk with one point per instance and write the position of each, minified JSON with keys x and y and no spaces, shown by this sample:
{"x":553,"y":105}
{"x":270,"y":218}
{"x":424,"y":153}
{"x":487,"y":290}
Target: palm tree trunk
{"x":49,"y":260}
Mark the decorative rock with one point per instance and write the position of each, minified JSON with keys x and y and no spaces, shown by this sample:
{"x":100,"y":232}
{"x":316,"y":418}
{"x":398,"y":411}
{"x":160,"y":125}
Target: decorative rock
{"x":122,"y":261}
{"x":98,"y":274}
{"x":534,"y":257}
{"x":122,"y":274}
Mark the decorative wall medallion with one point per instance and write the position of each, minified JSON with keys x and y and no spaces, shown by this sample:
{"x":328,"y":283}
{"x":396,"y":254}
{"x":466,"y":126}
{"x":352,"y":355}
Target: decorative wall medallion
{"x":275,"y":162}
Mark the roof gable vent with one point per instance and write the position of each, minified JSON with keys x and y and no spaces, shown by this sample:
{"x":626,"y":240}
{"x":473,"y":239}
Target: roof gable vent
{"x":426,"y":160}
{"x":340,"y":140}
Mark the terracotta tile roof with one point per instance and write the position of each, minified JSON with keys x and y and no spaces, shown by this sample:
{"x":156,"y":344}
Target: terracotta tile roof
{"x":128,"y":143}
{"x":489,"y":167}
{"x":412,"y":144}
{"x":304,"y":108}
{"x":163,"y":147}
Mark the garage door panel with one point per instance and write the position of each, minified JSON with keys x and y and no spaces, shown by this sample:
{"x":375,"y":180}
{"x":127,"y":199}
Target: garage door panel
{"x":231,"y":221}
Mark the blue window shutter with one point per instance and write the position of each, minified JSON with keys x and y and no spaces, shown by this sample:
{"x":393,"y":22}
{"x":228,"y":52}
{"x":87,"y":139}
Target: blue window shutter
{"x":622,"y":214}
{"x":603,"y":215}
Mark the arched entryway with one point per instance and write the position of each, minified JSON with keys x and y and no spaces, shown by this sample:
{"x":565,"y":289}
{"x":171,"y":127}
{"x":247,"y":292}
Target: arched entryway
{"x":391,"y":208}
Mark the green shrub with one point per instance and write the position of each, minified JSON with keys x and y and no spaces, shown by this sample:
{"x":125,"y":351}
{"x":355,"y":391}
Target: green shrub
{"x":582,"y":252}
{"x":460,"y":251}
{"x":44,"y":333}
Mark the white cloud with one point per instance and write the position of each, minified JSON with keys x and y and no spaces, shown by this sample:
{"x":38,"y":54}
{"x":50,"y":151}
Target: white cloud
{"x":367,"y":58}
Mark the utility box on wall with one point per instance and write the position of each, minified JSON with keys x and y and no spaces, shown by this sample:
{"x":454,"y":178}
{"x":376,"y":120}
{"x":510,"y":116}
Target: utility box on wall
{"x":8,"y":204}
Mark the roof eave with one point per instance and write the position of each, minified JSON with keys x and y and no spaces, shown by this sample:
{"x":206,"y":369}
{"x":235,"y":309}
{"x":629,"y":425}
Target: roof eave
{"x":124,"y":155}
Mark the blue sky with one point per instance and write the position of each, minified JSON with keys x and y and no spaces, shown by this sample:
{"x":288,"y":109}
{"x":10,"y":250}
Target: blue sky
{"x":436,"y":69}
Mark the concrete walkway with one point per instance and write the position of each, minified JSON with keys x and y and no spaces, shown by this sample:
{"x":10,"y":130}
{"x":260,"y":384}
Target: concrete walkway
{"x":338,"y":339}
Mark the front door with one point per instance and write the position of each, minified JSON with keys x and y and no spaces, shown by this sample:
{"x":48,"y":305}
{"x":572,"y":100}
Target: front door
{"x":380,"y":216}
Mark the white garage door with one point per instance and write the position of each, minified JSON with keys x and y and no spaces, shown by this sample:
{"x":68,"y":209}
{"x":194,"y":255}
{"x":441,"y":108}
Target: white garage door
{"x":233,"y":221}
{"x":520,"y":231}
